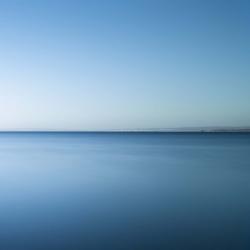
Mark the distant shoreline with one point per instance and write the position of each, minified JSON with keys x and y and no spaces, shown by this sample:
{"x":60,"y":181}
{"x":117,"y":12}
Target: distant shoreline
{"x":133,"y":131}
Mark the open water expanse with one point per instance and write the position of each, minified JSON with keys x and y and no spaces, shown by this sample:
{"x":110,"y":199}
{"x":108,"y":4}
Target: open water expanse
{"x":128,"y":191}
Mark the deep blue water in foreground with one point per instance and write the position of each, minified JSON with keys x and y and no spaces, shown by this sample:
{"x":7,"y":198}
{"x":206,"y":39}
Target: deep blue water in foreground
{"x":129,"y":191}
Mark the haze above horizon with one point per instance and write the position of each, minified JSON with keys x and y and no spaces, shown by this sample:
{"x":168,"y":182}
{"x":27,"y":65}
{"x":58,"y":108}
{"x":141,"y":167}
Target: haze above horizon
{"x":114,"y":65}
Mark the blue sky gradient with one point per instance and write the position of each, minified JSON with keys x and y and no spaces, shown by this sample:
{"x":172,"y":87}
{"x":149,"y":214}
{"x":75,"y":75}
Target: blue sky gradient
{"x":97,"y":65}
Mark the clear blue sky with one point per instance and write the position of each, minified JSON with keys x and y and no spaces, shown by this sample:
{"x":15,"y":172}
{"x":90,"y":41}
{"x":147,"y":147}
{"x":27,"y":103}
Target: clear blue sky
{"x":114,"y":64}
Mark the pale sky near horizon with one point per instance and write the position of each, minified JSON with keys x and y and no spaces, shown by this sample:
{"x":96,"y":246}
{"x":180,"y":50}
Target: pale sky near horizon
{"x":115,"y":64}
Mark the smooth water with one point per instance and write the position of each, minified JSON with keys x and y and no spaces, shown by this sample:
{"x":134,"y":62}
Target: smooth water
{"x":128,"y":191}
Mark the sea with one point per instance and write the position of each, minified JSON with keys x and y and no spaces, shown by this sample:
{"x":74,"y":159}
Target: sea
{"x":124,"y":191}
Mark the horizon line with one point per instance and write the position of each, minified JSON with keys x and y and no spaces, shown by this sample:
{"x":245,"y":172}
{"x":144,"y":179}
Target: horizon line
{"x":154,"y":130}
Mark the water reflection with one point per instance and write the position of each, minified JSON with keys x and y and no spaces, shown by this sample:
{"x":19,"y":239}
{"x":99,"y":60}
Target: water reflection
{"x":124,"y":191}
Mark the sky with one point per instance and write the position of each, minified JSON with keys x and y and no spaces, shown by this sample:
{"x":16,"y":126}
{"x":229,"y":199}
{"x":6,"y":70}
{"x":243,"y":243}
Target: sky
{"x":116,"y":64}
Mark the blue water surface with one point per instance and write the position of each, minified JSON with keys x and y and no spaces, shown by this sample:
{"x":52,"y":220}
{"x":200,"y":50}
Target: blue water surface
{"x":129,"y":191}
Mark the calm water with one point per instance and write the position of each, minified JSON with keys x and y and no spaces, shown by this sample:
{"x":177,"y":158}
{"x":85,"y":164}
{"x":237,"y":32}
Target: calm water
{"x":124,"y":191}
